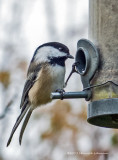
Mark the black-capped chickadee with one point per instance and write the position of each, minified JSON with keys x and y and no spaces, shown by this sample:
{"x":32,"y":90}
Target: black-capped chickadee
{"x":45,"y":75}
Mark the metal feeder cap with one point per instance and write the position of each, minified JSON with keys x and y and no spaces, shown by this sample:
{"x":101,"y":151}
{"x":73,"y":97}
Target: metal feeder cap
{"x":103,"y":113}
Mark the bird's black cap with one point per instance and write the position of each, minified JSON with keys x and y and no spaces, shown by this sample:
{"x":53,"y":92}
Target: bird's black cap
{"x":56,"y":45}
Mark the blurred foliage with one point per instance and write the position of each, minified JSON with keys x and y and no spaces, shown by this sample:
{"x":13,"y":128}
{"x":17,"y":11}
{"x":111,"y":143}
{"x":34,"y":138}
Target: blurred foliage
{"x":83,"y":114}
{"x":22,"y":65}
{"x":60,"y":112}
{"x":114,"y":139}
{"x":5,"y":78}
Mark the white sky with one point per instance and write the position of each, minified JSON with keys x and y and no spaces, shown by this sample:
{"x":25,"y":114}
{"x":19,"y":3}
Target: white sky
{"x":36,"y":28}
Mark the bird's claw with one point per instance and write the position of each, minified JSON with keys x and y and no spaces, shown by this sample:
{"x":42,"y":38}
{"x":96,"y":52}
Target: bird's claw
{"x":61,"y":91}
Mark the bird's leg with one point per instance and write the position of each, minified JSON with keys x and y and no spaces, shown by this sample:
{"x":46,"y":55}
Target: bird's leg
{"x":61,"y":91}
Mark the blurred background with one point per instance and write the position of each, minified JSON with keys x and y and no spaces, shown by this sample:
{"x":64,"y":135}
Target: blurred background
{"x":58,"y":131}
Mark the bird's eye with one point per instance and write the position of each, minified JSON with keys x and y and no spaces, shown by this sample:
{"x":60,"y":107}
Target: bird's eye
{"x":61,"y":49}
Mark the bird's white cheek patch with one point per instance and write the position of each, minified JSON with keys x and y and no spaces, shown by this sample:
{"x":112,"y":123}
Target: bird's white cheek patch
{"x":45,"y":52}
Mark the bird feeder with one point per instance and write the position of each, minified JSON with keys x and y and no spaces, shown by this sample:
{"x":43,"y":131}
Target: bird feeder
{"x":96,"y":61}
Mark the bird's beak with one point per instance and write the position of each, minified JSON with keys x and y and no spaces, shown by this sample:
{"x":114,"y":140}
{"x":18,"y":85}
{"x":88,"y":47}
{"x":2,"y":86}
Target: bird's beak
{"x":70,"y":56}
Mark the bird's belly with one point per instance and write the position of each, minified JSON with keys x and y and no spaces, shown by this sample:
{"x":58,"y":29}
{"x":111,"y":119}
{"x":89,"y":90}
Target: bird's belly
{"x":40,"y":94}
{"x":47,"y":82}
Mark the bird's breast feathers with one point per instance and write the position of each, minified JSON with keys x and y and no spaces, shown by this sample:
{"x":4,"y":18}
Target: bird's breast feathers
{"x":48,"y":80}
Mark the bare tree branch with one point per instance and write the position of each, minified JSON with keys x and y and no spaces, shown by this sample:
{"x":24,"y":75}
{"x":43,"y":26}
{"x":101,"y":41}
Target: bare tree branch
{"x":7,"y":107}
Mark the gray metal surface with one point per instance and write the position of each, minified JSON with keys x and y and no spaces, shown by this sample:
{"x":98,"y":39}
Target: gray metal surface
{"x":91,"y":60}
{"x":103,"y":31}
{"x":67,"y":95}
{"x":88,"y":60}
{"x":103,"y":113}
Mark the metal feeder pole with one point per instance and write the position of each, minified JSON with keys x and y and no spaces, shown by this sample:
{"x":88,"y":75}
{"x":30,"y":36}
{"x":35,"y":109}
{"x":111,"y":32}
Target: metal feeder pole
{"x":67,"y":95}
{"x":103,"y":32}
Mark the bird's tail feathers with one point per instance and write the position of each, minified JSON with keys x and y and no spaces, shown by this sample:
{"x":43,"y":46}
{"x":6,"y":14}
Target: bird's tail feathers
{"x":19,"y":119}
{"x":24,"y":125}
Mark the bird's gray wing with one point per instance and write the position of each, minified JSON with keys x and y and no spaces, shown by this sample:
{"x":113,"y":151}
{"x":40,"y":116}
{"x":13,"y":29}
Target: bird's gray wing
{"x":25,"y":105}
{"x":32,"y":75}
{"x":28,"y":85}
